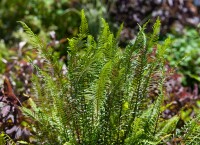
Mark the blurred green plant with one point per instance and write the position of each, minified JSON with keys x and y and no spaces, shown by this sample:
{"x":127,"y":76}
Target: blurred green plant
{"x":185,"y":55}
{"x":40,"y":15}
{"x":95,"y":10}
{"x":53,"y":20}
{"x":4,"y":55}
{"x":61,"y":16}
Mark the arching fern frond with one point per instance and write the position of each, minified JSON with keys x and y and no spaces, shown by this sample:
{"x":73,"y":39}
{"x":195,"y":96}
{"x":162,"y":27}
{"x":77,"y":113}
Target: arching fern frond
{"x":119,"y":32}
{"x":33,"y":39}
{"x":153,"y":38}
{"x":168,"y":127}
{"x":84,"y":25}
{"x":191,"y":131}
{"x":101,"y":86}
{"x":162,"y":49}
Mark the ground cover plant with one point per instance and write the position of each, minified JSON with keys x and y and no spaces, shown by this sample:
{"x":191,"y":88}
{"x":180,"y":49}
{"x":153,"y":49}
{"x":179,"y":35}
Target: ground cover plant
{"x":186,"y":55}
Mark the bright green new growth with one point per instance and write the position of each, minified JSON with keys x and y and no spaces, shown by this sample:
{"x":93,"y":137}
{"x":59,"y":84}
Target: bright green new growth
{"x":104,"y":95}
{"x":5,"y":139}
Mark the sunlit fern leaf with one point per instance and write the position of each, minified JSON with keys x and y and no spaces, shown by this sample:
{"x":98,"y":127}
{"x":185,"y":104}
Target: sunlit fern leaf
{"x":55,"y":94}
{"x":150,"y":69}
{"x":140,"y":133}
{"x":154,"y":36}
{"x":73,"y":46}
{"x":67,"y":143}
{"x":109,"y":47}
{"x":155,"y":112}
{"x":191,"y":131}
{"x":37,"y":88}
{"x":104,"y":34}
{"x":140,"y":84}
{"x":144,"y":126}
{"x":101,"y":85}
{"x":22,"y":142}
{"x":139,"y":44}
{"x":84,"y":25}
{"x":168,"y":127}
{"x":31,"y":113}
{"x":139,"y":70}
{"x":33,"y":39}
{"x":90,"y":46}
{"x":162,"y":49}
{"x":76,"y":46}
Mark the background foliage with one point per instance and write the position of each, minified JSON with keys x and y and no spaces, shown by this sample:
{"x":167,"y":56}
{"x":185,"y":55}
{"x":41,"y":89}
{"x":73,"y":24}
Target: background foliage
{"x":185,"y":54}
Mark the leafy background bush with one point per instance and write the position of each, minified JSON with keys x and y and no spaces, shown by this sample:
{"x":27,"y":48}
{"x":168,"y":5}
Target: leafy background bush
{"x":185,"y":54}
{"x":41,"y":16}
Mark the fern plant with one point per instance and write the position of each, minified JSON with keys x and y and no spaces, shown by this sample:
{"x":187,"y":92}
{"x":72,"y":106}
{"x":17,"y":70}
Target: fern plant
{"x":189,"y":133}
{"x":102,"y":99}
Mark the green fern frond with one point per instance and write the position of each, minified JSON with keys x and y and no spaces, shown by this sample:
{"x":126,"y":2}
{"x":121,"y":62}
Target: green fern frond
{"x":104,"y":34}
{"x":169,"y":127}
{"x":33,"y":39}
{"x":37,"y":88}
{"x":163,"y":48}
{"x":154,"y":115}
{"x":101,"y":86}
{"x":138,"y":74}
{"x":141,"y":133}
{"x":141,"y":41}
{"x":139,"y":44}
{"x":109,"y":47}
{"x":154,"y":36}
{"x":30,"y":113}
{"x":84,"y":25}
{"x":119,"y":31}
{"x":191,"y":131}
